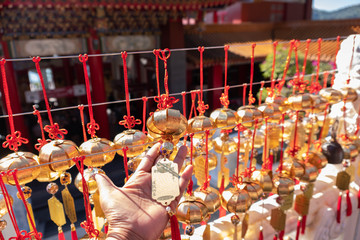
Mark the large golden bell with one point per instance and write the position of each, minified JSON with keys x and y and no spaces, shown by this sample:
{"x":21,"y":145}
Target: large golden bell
{"x":317,"y":159}
{"x":293,"y":168}
{"x":200,"y":124}
{"x":57,"y":151}
{"x":211,"y":198}
{"x":247,"y":115}
{"x":191,"y":210}
{"x":20,"y":160}
{"x":90,"y":180}
{"x":236,"y":200}
{"x":134,"y":139}
{"x":3,"y":208}
{"x":279,"y":100}
{"x":300,"y":101}
{"x":310,"y":174}
{"x":224,"y":118}
{"x":318,"y":103}
{"x":254,"y":190}
{"x":331,"y":95}
{"x":349,"y":93}
{"x":200,"y":160}
{"x":284,"y":185}
{"x":168,"y":124}
{"x":224,"y":144}
{"x":263,"y":178}
{"x":97,"y":152}
{"x":270,"y":111}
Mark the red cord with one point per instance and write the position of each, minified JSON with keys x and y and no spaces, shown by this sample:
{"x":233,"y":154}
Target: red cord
{"x":338,"y":210}
{"x":305,"y":57}
{"x":265,"y":149}
{"x":348,"y":204}
{"x":261,"y":91}
{"x":282,"y":143}
{"x":183,"y":94}
{"x":244,"y":93}
{"x":309,"y":138}
{"x":238,"y":150}
{"x":351,"y":60}
{"x":201,"y":105}
{"x":145,"y":99}
{"x":193,"y":109}
{"x":190,"y":186}
{"x":318,"y":60}
{"x":303,"y":224}
{"x":157,"y":53}
{"x":294,"y":149}
{"x":273,"y":69}
{"x":206,"y":169}
{"x":175,"y":231}
{"x":81,"y":108}
{"x":41,"y":141}
{"x":252,"y":148}
{"x":287,"y":63}
{"x":298,"y":225}
{"x":326,"y":75}
{"x":125,"y":162}
{"x":224,"y":99}
{"x":251,"y":98}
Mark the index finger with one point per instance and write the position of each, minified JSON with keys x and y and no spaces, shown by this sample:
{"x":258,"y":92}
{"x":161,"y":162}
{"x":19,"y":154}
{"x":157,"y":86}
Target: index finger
{"x":148,"y":161}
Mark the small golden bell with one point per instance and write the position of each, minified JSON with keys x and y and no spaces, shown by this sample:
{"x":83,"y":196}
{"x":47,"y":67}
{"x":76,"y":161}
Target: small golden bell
{"x":318,"y":103}
{"x":349,"y":93}
{"x":224,"y":144}
{"x":293,"y":168}
{"x":200,"y":124}
{"x":247,"y":115}
{"x":236,"y":200}
{"x":280,"y":100}
{"x":270,"y":111}
{"x":300,"y":101}
{"x":210,"y":197}
{"x":284,"y":185}
{"x":263,"y":178}
{"x":90,"y":180}
{"x":254,"y":190}
{"x":191,"y":210}
{"x":134,"y":139}
{"x":310,"y":174}
{"x":98,"y":152}
{"x":317,"y":159}
{"x":331,"y":95}
{"x":224,"y":118}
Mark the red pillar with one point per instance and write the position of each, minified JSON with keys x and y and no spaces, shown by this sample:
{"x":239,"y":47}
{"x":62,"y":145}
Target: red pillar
{"x":13,"y":92}
{"x":216,"y":81}
{"x":98,"y":85}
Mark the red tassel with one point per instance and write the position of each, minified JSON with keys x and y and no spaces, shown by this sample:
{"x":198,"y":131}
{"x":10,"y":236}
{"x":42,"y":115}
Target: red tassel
{"x":359,"y":198}
{"x":275,"y":237}
{"x":281,"y":235}
{"x":73,"y":232}
{"x":338,"y":211}
{"x":348,"y":203}
{"x":106,"y":227}
{"x":298,"y":229}
{"x":175,"y":232}
{"x":303,"y":224}
{"x":1,"y":236}
{"x":61,"y":235}
{"x":261,"y":234}
{"x":222,"y":212}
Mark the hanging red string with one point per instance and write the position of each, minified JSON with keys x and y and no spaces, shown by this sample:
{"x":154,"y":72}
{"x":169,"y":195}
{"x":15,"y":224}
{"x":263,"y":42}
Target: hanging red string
{"x":265,"y":164}
{"x":14,"y":139}
{"x":191,"y":184}
{"x":125,"y":163}
{"x":193,"y":108}
{"x":326,"y":75}
{"x":335,"y":65}
{"x":202,"y":107}
{"x":338,"y":209}
{"x":81,"y":109}
{"x":282,"y":143}
{"x":88,"y":224}
{"x":287,"y":63}
{"x":183,"y":95}
{"x":224,"y":99}
{"x":303,"y":224}
{"x":206,"y":169}
{"x":315,"y":85}
{"x":41,"y":141}
{"x":156,"y":52}
{"x":298,"y":226}
{"x":252,"y":168}
{"x":318,"y":142}
{"x":251,"y":98}
{"x":348,"y":204}
{"x":351,"y":60}
{"x":309,"y":138}
{"x":294,"y":149}
{"x":145,"y":99}
{"x":92,"y":126}
{"x":244,"y":93}
{"x":129,"y":121}
{"x":261,"y":91}
{"x":305,"y":57}
{"x":271,"y":92}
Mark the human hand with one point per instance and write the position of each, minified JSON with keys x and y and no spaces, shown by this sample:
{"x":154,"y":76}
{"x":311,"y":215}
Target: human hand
{"x":130,"y":210}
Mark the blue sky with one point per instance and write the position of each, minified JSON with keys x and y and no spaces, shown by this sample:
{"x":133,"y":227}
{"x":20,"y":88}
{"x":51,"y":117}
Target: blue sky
{"x":330,"y":5}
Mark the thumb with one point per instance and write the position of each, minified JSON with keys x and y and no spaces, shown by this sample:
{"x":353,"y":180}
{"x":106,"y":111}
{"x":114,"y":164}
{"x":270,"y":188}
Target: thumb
{"x":105,"y":185}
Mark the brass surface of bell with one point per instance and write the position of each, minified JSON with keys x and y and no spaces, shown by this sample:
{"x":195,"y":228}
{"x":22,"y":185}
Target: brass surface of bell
{"x":191,"y":210}
{"x":134,"y":139}
{"x":284,"y":185}
{"x":236,"y":200}
{"x":200,"y":160}
{"x":300,"y":101}
{"x":200,"y":146}
{"x":317,"y":159}
{"x":224,"y":144}
{"x":19,"y":160}
{"x":90,"y":180}
{"x":58,"y":150}
{"x":3,"y":208}
{"x":100,"y":149}
{"x":270,"y":111}
{"x":27,"y":191}
{"x":211,"y":198}
{"x":259,"y":139}
{"x":263,"y":178}
{"x":293,"y":168}
{"x":47,"y":175}
{"x":188,"y":145}
{"x":274,"y":134}
{"x":224,"y":118}
{"x":168,"y":124}
{"x":134,"y":162}
{"x":311,"y":124}
{"x":318,"y":103}
{"x":350,"y":150}
{"x":349,"y":93}
{"x":331,"y":95}
{"x":254,"y":190}
{"x":247,"y":115}
{"x":200,"y":124}
{"x":280,"y":100}
{"x":243,"y":141}
{"x":311,"y":173}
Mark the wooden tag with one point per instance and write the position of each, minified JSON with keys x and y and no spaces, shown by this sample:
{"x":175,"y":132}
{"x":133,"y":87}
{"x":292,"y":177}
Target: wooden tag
{"x":165,"y":181}
{"x":342,"y":180}
{"x":288,"y":202}
{"x":351,"y":171}
{"x":224,"y":172}
{"x":31,"y":213}
{"x":200,"y":170}
{"x":301,"y":205}
{"x":309,"y":190}
{"x":278,"y":219}
{"x":244,"y":225}
{"x":69,"y":205}
{"x":56,"y":210}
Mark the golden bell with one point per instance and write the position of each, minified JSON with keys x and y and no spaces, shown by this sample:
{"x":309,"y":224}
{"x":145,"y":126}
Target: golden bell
{"x":200,"y":124}
{"x":236,"y":200}
{"x":89,"y":178}
{"x":259,"y":138}
{"x":19,"y":160}
{"x":254,"y":190}
{"x":100,"y":151}
{"x":224,"y":118}
{"x":300,"y":101}
{"x":177,"y":147}
{"x":274,"y":133}
{"x":200,"y":160}
{"x":224,"y":144}
{"x":101,"y":236}
{"x":310,"y":174}
{"x":134,"y":162}
{"x":168,"y":124}
{"x":263,"y":178}
{"x":243,"y":141}
{"x":57,"y":151}
{"x":247,"y":115}
{"x":311,"y":124}
{"x":317,"y":159}
{"x":211,"y":198}
{"x":284,"y":185}
{"x":318,"y":103}
{"x":331,"y":95}
{"x":270,"y":111}
{"x":3,"y":208}
{"x":289,"y":133}
{"x":280,"y":100}
{"x":293,"y":168}
{"x":134,"y":139}
{"x":350,"y":150}
{"x":349,"y":93}
{"x":200,"y":146}
{"x":191,"y":210}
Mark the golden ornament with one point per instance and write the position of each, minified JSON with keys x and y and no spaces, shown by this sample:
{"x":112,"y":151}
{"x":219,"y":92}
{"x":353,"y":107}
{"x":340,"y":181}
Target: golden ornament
{"x":247,"y":115}
{"x":310,"y":174}
{"x":331,"y":95}
{"x":191,"y":210}
{"x":134,"y":139}
{"x":224,"y":118}
{"x":3,"y":208}
{"x":300,"y":101}
{"x":270,"y":111}
{"x":349,"y":94}
{"x":284,"y":185}
{"x":199,"y":124}
{"x":210,"y":197}
{"x":293,"y":168}
{"x":263,"y":178}
{"x":317,"y":159}
{"x":273,"y":135}
{"x":244,"y":141}
{"x":89,"y":178}
{"x":350,"y":150}
{"x":20,"y":160}
{"x":318,"y":103}
{"x":236,"y":200}
{"x":280,"y":100}
{"x":223,"y":144}
{"x":97,"y":152}
{"x":254,"y":190}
